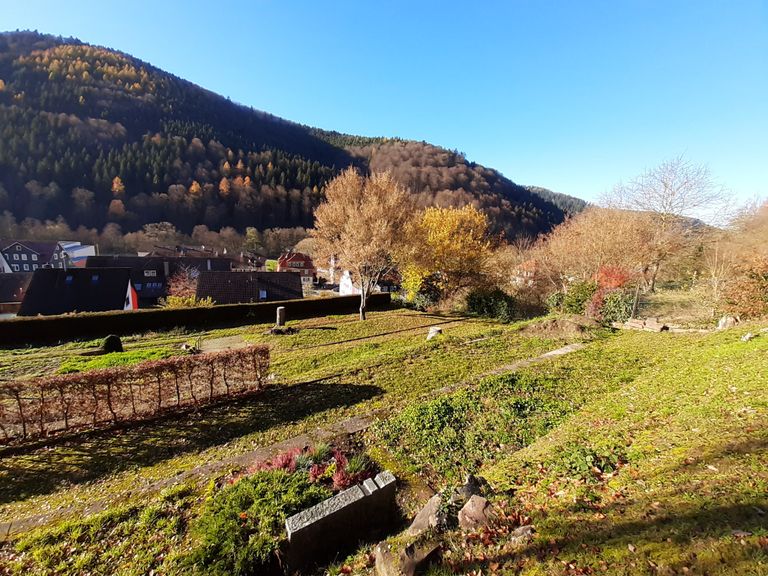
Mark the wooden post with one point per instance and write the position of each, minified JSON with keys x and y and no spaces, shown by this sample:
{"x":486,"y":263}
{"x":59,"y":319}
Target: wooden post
{"x":280,"y":316}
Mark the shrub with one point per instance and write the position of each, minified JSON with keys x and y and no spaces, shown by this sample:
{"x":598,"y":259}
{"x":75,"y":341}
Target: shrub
{"x":578,"y":295}
{"x":747,"y":295}
{"x":491,"y":304}
{"x":612,"y":277}
{"x":242,"y":525}
{"x":587,"y":462}
{"x":617,"y":306}
{"x":555,"y":301}
{"x":186,"y":302}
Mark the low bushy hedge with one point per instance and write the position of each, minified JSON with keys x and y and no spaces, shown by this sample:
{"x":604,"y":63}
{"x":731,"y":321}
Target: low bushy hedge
{"x":492,"y":304}
{"x":42,"y":406}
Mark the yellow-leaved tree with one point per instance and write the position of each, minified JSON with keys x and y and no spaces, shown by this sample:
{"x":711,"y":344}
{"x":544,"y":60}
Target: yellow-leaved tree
{"x":451,"y":245}
{"x":361,"y":226}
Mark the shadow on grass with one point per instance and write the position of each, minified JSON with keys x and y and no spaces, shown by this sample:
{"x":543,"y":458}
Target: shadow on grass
{"x":93,"y":455}
{"x":677,"y":527}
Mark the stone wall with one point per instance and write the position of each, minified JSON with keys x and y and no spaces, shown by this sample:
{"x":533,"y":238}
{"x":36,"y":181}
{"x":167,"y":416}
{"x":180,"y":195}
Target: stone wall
{"x":362,"y":512}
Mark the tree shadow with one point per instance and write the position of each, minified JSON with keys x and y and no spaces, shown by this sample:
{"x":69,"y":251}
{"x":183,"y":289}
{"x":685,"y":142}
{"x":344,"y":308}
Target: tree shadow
{"x":90,"y":456}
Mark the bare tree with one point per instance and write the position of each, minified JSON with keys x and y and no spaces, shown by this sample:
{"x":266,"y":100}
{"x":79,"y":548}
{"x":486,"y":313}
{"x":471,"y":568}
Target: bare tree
{"x":676,"y":195}
{"x":361,"y":225}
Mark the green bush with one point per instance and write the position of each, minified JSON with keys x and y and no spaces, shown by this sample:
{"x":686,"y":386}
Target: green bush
{"x":243,"y":524}
{"x":491,"y":304}
{"x":555,"y":301}
{"x":617,"y":306}
{"x":578,"y":295}
{"x":587,"y":462}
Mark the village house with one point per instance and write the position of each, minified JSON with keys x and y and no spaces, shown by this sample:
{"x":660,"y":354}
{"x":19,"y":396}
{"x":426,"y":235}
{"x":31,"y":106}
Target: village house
{"x":150,"y":274}
{"x":248,"y":287}
{"x":28,"y":256}
{"x":298,"y":263}
{"x":389,"y":283}
{"x":58,"y":291}
{"x":525,"y":273}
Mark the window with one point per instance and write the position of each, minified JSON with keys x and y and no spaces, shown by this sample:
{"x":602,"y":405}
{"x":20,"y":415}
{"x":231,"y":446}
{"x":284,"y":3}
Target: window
{"x":34,"y":266}
{"x":23,"y":256}
{"x":18,"y":248}
{"x":15,"y":267}
{"x":68,"y":279}
{"x":55,"y":255}
{"x":26,"y":267}
{"x":34,"y":257}
{"x":150,"y":273}
{"x":15,"y":256}
{"x":262,"y":294}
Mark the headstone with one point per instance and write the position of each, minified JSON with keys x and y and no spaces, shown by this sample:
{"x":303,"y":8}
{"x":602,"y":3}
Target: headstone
{"x":434,"y":331}
{"x":112,"y":343}
{"x":280,"y":316}
{"x":726,"y":322}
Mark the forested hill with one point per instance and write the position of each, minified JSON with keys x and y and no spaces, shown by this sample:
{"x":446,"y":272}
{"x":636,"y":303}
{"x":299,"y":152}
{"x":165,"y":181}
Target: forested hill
{"x":96,"y":136}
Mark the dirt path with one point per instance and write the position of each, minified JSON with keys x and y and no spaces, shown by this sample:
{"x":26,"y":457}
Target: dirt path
{"x":340,"y":430}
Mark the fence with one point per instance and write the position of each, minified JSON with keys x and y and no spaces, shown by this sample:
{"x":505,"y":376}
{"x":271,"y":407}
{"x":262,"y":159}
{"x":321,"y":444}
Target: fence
{"x":44,"y":406}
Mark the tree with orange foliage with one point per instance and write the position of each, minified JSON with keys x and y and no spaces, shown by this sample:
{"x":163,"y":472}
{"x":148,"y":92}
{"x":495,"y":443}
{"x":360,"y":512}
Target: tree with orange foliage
{"x":361,"y":225}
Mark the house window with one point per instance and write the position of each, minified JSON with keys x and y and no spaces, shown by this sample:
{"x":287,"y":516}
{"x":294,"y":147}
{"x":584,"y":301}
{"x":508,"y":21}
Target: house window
{"x":55,"y":255}
{"x":26,"y":267}
{"x":18,"y":248}
{"x":68,"y":279}
{"x":23,"y":256}
{"x":262,"y":294}
{"x":34,"y":257}
{"x":15,"y":256}
{"x":148,"y":273}
{"x":34,"y":266}
{"x":15,"y":267}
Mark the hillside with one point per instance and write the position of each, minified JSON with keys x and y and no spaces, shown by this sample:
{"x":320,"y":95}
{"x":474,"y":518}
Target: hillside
{"x":96,"y":136}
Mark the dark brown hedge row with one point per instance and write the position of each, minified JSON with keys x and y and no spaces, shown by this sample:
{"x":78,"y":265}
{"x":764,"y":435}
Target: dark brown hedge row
{"x":44,"y":406}
{"x":20,"y":332}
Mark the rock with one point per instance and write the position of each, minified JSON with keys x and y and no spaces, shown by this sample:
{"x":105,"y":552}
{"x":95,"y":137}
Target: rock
{"x":431,"y":516}
{"x":521,"y":535}
{"x":476,"y":513}
{"x":472,"y":485}
{"x":112,"y":343}
{"x":726,"y":322}
{"x":391,"y":562}
{"x":434,"y":332}
{"x":748,"y":336}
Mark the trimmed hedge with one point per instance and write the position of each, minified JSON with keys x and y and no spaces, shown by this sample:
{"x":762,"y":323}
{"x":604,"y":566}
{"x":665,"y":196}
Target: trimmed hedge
{"x":20,"y":332}
{"x":40,"y":407}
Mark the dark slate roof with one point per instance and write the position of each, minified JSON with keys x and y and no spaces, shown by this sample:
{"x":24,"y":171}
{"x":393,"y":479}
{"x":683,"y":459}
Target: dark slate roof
{"x":245,"y":287}
{"x":13,"y":286}
{"x":59,"y":291}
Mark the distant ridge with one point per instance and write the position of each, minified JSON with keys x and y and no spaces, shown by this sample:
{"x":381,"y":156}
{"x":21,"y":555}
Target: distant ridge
{"x":95,"y":136}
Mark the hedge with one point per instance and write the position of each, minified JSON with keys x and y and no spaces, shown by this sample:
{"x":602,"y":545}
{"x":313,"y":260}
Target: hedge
{"x":40,"y":407}
{"x":20,"y":332}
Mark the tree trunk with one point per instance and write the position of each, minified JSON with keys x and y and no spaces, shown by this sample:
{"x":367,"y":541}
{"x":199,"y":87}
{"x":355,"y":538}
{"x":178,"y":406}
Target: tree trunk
{"x":363,"y":302}
{"x":654,"y":273}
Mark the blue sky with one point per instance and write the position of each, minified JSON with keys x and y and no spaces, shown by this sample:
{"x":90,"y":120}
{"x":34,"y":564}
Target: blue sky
{"x":572,"y":96}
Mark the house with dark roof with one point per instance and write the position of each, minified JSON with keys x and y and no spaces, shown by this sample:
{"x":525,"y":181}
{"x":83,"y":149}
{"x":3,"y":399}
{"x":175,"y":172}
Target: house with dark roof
{"x":13,"y":286}
{"x":150,"y":274}
{"x":247,"y":287}
{"x":59,"y":291}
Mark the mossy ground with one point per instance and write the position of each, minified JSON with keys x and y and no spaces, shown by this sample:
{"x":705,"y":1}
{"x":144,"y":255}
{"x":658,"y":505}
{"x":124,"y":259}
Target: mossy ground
{"x":332,"y":369}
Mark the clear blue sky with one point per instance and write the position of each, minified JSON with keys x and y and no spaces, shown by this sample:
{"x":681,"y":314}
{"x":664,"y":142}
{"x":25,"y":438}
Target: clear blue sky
{"x":572,"y":96}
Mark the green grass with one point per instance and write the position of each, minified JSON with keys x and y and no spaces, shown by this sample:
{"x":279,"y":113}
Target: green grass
{"x":85,"y":363}
{"x":334,"y":368}
{"x":665,"y":473}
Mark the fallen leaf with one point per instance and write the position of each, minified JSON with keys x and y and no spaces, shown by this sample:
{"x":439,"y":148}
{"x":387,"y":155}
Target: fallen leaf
{"x":631,"y":548}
